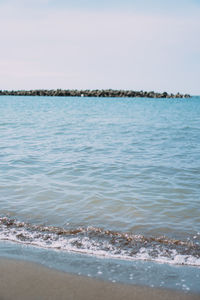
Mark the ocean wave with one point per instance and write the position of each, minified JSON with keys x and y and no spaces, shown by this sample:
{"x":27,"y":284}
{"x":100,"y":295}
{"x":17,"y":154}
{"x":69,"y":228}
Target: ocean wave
{"x":103,"y":243}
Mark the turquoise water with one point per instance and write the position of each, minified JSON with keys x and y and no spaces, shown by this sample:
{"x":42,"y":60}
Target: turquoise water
{"x":115,"y":178}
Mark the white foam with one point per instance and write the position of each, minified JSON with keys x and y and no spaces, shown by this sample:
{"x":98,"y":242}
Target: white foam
{"x":85,"y":245}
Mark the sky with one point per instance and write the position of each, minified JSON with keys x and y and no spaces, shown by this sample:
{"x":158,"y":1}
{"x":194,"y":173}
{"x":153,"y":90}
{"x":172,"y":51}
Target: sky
{"x":146,"y":45}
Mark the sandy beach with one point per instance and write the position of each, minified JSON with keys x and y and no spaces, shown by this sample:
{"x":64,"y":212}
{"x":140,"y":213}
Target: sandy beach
{"x":24,"y":280}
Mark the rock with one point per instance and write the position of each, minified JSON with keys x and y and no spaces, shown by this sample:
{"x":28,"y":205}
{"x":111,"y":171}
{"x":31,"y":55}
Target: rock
{"x":93,"y":93}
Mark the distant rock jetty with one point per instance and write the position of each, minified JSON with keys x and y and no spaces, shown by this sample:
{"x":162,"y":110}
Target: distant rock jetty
{"x":93,"y":93}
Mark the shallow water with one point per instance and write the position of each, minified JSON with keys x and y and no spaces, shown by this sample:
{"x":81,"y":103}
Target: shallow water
{"x":109,"y":177}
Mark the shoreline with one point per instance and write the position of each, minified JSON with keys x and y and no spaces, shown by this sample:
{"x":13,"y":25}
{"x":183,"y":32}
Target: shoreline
{"x":93,"y":93}
{"x":26,"y":280}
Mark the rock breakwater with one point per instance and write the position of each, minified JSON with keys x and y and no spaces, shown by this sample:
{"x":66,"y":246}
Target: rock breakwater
{"x":93,"y":93}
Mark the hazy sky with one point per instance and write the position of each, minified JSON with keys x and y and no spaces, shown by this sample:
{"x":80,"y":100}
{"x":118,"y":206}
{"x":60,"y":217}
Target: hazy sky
{"x":119,"y":44}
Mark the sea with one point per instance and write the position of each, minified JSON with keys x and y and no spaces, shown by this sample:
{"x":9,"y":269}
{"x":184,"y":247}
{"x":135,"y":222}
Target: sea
{"x":103,"y":187}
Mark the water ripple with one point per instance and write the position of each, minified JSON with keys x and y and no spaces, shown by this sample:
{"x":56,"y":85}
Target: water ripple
{"x":127,"y":165}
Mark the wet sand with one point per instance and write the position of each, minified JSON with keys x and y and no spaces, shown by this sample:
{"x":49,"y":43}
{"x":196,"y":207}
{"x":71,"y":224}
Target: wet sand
{"x":27,"y":281}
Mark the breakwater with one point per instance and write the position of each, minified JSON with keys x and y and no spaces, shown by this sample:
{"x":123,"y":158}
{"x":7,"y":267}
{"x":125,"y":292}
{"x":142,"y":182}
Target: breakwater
{"x":93,"y":93}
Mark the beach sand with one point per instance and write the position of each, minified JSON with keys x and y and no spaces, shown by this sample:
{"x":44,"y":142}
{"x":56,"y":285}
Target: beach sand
{"x":27,"y":281}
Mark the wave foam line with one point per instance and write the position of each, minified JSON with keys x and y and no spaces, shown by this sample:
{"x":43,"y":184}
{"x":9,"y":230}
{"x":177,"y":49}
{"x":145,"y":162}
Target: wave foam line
{"x":102,"y":243}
